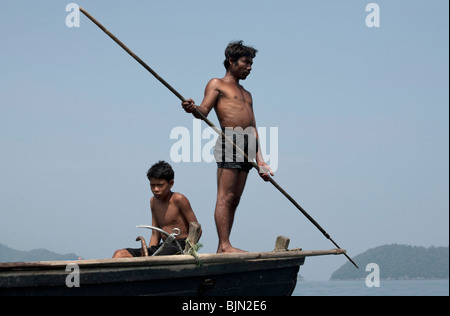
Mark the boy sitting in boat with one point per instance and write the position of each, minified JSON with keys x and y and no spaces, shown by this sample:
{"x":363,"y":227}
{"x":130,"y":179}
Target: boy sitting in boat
{"x":169,"y":210}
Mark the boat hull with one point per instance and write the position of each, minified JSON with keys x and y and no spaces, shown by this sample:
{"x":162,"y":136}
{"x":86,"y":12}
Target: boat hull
{"x":249,"y":274}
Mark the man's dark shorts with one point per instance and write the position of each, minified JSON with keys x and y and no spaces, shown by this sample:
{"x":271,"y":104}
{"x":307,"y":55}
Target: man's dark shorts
{"x":228,"y":157}
{"x":169,"y":250}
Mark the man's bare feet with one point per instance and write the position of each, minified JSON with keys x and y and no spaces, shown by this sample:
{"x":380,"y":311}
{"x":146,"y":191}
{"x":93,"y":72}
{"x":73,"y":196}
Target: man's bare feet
{"x":229,"y":249}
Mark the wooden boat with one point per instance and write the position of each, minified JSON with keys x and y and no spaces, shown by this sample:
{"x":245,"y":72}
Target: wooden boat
{"x":272,"y":273}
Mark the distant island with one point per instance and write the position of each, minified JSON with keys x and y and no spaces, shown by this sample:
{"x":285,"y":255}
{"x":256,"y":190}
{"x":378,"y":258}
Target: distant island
{"x":399,"y":262}
{"x":11,"y":255}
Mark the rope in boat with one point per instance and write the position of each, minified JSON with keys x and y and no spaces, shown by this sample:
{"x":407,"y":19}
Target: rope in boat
{"x":193,"y":251}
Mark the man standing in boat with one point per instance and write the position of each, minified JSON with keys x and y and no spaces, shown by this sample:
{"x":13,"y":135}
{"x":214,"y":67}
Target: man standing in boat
{"x":234,"y":108}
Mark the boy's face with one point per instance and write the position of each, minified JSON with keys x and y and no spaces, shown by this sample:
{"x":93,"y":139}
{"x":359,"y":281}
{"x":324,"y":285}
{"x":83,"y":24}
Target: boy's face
{"x":160,"y":187}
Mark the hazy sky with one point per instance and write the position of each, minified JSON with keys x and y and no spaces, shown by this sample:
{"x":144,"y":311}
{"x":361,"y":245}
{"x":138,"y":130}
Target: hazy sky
{"x":362,"y":116}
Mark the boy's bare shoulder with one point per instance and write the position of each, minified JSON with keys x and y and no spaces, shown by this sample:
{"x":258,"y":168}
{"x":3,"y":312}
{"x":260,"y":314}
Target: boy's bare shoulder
{"x":181,"y":201}
{"x":179,"y":198}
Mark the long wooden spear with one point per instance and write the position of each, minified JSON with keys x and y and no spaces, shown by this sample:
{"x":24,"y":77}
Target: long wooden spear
{"x":207,"y":121}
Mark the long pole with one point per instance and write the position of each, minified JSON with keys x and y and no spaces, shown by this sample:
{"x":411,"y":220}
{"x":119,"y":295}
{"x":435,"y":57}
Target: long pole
{"x":207,"y":121}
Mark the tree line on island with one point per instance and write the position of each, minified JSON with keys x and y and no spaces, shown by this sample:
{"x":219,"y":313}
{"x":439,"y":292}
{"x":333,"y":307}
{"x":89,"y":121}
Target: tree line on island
{"x":12,"y":255}
{"x":399,"y":262}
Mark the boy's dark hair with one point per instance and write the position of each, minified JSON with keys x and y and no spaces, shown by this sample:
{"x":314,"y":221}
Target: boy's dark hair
{"x":161,"y":170}
{"x":236,"y":50}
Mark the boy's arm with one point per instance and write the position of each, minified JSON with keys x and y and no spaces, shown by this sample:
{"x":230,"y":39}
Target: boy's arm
{"x":156,"y":236}
{"x":209,"y":100}
{"x":185,"y":208}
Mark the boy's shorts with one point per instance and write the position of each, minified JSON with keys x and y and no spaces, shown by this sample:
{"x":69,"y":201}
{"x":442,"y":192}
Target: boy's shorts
{"x":169,"y":250}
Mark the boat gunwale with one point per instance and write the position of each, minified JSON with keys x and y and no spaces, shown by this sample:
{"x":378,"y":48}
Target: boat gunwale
{"x":168,"y":260}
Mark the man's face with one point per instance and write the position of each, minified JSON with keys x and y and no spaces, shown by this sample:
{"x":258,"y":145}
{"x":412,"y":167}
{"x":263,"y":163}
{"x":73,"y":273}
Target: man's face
{"x":242,"y":67}
{"x":160,"y":187}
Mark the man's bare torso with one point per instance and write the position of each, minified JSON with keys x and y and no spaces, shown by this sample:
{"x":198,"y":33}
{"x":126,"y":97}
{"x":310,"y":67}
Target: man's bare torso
{"x":234,"y":105}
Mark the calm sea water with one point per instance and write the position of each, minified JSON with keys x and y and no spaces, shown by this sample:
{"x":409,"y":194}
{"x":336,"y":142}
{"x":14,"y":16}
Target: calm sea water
{"x":359,"y":288}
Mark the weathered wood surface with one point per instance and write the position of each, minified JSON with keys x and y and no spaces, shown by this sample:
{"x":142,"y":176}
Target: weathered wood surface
{"x":281,"y":244}
{"x":171,"y":260}
{"x":252,"y":273}
{"x":194,"y":234}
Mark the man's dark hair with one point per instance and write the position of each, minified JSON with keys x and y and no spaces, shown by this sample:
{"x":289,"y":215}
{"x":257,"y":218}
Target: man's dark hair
{"x":161,"y":170}
{"x":236,"y":50}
